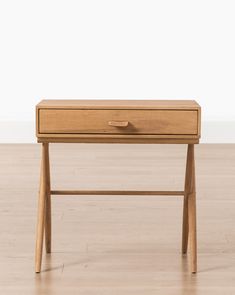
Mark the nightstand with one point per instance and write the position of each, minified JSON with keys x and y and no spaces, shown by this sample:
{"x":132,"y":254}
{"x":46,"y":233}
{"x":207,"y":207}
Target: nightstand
{"x":118,"y":121}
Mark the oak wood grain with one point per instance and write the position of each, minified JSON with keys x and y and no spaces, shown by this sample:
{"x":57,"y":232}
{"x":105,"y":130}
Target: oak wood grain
{"x":118,"y":104}
{"x":158,"y":122}
{"x":89,"y":121}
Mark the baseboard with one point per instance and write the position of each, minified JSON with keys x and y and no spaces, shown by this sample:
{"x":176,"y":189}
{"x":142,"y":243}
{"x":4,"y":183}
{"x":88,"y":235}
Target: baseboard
{"x":24,"y":132}
{"x":218,"y":132}
{"x":17,"y":132}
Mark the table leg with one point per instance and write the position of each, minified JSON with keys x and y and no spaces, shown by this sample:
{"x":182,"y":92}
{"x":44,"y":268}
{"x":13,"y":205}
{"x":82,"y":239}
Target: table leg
{"x":48,"y":203}
{"x":41,"y":210}
{"x":185,"y":206}
{"x":192,"y":211}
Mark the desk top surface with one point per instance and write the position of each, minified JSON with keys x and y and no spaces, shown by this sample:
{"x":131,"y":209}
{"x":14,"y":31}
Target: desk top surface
{"x":119,"y":104}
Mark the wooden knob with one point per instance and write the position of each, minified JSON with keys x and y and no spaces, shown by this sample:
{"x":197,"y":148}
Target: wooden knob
{"x":118,"y":123}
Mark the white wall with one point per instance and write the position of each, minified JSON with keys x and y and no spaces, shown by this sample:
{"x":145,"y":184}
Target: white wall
{"x":116,"y":49}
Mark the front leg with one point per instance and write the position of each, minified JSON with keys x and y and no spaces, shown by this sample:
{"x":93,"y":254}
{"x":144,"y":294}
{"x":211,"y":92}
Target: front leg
{"x":48,"y":203}
{"x":41,"y":211}
{"x":192,"y":213}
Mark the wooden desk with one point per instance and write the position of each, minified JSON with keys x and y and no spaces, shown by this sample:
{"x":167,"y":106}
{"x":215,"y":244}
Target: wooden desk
{"x":118,"y":121}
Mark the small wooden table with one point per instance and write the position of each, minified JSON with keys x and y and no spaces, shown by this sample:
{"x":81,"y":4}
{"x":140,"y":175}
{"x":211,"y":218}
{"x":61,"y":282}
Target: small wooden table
{"x":117,"y":121}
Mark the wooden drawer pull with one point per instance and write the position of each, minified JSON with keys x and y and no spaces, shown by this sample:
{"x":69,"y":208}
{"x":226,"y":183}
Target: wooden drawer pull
{"x":118,"y":123}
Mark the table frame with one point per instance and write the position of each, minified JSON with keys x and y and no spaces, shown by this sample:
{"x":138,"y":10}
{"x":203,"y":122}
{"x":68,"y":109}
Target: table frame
{"x":189,"y":232}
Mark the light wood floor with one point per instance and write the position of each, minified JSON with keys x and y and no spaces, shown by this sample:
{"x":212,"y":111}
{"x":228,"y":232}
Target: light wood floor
{"x":120,"y":244}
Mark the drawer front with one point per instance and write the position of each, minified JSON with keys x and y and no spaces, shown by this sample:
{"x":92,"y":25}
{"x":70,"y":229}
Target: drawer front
{"x":77,"y":121}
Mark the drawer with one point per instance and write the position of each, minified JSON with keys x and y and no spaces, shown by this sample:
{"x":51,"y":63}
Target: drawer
{"x":119,"y":121}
